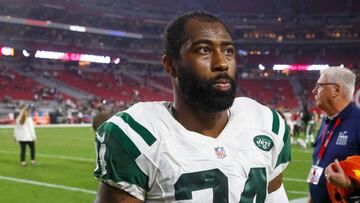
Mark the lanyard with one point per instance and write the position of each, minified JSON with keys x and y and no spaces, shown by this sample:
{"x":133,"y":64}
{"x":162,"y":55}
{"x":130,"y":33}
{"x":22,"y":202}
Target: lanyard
{"x":326,"y":143}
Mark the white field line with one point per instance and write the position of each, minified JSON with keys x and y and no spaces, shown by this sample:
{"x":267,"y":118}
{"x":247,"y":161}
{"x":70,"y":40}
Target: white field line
{"x":92,"y":160}
{"x":49,"y":185}
{"x":297,"y":192}
{"x":54,"y":156}
{"x":295,"y":180}
{"x":307,"y":151}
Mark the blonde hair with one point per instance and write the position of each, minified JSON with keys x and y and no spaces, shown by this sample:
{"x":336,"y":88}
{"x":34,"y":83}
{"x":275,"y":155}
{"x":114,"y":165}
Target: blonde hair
{"x":24,"y":113}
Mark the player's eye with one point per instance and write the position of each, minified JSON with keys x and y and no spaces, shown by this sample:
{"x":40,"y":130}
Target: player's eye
{"x":229,"y":51}
{"x":204,"y":50}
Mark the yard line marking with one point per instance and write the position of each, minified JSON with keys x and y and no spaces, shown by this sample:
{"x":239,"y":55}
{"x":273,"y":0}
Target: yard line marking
{"x":295,"y":180}
{"x":54,"y":156}
{"x":86,"y":190}
{"x":47,"y":184}
{"x":297,"y":192}
{"x":307,"y":151}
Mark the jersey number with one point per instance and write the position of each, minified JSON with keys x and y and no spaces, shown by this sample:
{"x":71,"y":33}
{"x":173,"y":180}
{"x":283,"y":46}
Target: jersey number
{"x":215,"y":179}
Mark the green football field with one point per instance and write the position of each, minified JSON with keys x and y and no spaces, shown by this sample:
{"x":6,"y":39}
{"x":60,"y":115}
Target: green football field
{"x":66,"y":161}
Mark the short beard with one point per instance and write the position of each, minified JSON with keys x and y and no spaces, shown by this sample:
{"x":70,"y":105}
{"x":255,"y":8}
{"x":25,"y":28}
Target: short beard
{"x":201,"y":93}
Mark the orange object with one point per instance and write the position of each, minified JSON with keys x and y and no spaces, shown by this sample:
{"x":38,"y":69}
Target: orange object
{"x":351,"y":167}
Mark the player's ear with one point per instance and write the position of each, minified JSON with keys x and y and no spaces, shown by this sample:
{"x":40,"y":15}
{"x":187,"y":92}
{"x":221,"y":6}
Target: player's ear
{"x":169,"y":65}
{"x":337,"y":91}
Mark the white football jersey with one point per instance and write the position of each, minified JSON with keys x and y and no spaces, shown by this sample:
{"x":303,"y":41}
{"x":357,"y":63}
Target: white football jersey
{"x":147,"y":153}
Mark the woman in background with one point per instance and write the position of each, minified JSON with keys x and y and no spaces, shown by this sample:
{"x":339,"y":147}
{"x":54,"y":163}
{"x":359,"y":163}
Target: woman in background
{"x":24,"y":133}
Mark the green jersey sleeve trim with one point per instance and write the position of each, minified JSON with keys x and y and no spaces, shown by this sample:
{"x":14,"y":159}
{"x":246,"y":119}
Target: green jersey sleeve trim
{"x":285,"y":154}
{"x":120,"y":155}
{"x":276,"y":123}
{"x":124,"y":140}
{"x":137,"y":127}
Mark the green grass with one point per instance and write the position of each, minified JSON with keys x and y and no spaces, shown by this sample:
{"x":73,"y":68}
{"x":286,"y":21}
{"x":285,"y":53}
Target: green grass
{"x":66,"y":157}
{"x":56,"y":148}
{"x":296,"y":173}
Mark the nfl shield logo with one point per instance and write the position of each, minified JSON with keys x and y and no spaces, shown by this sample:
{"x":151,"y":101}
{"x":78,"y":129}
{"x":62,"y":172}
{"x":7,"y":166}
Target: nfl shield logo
{"x":220,"y":152}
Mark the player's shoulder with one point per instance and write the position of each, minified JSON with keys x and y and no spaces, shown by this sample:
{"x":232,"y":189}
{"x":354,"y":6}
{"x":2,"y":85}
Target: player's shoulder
{"x":257,"y":115}
{"x":147,"y":105}
{"x":351,"y":115}
{"x":251,"y":107}
{"x":248,"y":102}
{"x":261,"y":119}
{"x":145,"y":111}
{"x":138,"y":121}
{"x":355,"y":111}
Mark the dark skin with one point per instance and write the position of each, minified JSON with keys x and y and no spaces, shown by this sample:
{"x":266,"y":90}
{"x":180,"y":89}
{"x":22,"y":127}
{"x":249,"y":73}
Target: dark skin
{"x":208,"y":51}
{"x":110,"y":194}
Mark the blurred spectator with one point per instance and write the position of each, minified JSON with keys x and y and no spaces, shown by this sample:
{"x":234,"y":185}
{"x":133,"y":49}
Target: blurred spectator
{"x":24,"y":133}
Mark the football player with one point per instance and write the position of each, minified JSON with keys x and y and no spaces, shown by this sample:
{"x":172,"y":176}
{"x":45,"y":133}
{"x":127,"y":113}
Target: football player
{"x":206,"y":146}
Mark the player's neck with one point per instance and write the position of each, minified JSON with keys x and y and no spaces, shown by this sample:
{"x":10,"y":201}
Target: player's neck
{"x":336,"y":108}
{"x":206,"y":123}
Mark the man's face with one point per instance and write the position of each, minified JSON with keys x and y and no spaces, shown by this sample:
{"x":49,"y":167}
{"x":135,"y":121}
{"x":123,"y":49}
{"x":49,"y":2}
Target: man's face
{"x":323,"y":92}
{"x":206,"y":70}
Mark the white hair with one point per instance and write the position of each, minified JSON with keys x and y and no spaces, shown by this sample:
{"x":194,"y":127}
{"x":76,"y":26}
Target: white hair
{"x":342,"y":76}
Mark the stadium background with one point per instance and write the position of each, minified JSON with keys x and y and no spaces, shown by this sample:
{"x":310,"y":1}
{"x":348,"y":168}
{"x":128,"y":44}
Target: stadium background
{"x":68,"y":59}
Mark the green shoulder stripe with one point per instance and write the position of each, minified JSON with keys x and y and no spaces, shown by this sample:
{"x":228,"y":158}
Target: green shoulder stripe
{"x":285,"y":154}
{"x":120,"y":156}
{"x":123,"y":139}
{"x":137,"y":127}
{"x":276,"y":123}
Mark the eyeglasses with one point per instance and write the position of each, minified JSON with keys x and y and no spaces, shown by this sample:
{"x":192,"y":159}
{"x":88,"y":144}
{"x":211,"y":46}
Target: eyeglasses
{"x":324,"y":83}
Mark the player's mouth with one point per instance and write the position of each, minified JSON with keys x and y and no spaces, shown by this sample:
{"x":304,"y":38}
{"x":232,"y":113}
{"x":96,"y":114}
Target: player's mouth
{"x":222,"y":84}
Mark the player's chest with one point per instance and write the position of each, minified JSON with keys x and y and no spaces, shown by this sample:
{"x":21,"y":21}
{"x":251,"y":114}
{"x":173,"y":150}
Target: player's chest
{"x":214,"y":170}
{"x":236,"y":150}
